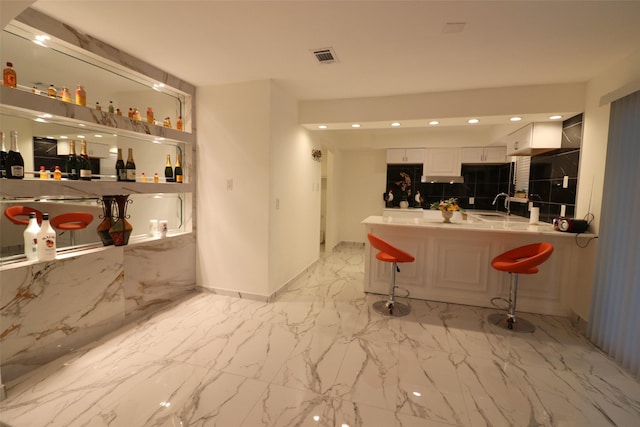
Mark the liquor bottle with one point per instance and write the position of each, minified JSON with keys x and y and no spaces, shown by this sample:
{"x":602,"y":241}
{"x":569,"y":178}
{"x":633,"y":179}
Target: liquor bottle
{"x":81,"y":96}
{"x":43,"y":173}
{"x":3,"y":157}
{"x":35,"y":90}
{"x":98,"y":106}
{"x":136,"y":114}
{"x":130,"y":113}
{"x":111,"y":107}
{"x":31,"y":237}
{"x":143,"y":177}
{"x":118,"y":112}
{"x":178,"y":170}
{"x":46,"y":240}
{"x":73,"y":164}
{"x":150,"y":115}
{"x":57,"y":174}
{"x":85,"y":163}
{"x":167,"y":122}
{"x":65,"y":94}
{"x":121,"y":172}
{"x":168,"y":170}
{"x":179,"y":124}
{"x":9,"y":76}
{"x":14,"y":162}
{"x":156,"y":179}
{"x":52,"y":91}
{"x":131,"y":167}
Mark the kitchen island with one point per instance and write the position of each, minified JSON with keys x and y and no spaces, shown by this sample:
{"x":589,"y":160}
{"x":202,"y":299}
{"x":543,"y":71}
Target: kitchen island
{"x":453,"y":261}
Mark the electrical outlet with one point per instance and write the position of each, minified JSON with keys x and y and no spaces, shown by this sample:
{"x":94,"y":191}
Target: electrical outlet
{"x":565,"y":182}
{"x":563,"y":210}
{"x":472,"y":200}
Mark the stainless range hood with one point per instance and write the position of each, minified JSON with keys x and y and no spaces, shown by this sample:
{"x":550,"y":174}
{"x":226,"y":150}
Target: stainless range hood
{"x":433,"y":179}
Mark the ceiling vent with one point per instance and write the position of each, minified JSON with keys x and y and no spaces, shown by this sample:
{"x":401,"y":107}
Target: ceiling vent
{"x":325,"y":55}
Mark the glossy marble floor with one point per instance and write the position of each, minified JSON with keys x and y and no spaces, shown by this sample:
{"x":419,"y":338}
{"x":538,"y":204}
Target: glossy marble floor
{"x":319,"y":356}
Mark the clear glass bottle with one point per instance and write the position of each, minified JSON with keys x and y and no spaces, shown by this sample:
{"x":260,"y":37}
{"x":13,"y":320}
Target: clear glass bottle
{"x":43,"y":173}
{"x":150,"y":118}
{"x":46,"y":240}
{"x":10,"y":79}
{"x":65,"y":95}
{"x":31,"y":237}
{"x":81,"y":96}
{"x":57,"y":174}
{"x":111,"y":107}
{"x":52,"y":91}
{"x":179,"y":123}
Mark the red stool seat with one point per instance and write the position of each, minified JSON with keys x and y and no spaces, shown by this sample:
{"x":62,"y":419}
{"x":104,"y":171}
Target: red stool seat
{"x":520,"y":260}
{"x":389,"y":253}
{"x":72,"y":221}
{"x":15,"y":214}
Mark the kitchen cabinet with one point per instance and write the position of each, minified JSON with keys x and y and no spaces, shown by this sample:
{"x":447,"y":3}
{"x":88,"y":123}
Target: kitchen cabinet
{"x":478,"y":155}
{"x":442,"y":162}
{"x":535,"y":138}
{"x":405,"y":155}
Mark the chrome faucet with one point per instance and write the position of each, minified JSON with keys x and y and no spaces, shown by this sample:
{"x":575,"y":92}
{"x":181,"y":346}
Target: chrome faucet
{"x":506,"y":201}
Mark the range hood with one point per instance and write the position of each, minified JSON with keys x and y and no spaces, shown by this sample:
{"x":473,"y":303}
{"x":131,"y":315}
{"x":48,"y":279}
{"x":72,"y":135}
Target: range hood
{"x":442,"y":179}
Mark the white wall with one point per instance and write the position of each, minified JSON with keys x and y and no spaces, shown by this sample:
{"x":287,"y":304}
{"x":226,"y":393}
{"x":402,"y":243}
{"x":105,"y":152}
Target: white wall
{"x":248,"y":133}
{"x":294,"y":239}
{"x":233,"y":225}
{"x":362,"y":179}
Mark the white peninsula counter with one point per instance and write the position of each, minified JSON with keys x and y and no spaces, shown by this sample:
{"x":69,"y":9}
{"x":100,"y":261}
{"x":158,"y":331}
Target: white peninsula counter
{"x":453,"y":261}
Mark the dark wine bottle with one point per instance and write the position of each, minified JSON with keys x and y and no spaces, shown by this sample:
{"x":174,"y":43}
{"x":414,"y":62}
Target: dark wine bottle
{"x":131,"y":167}
{"x":3,"y":158}
{"x":73,"y":165}
{"x":178,"y":170}
{"x":121,"y":172}
{"x":168,"y":170}
{"x":14,"y":162}
{"x":85,"y":163}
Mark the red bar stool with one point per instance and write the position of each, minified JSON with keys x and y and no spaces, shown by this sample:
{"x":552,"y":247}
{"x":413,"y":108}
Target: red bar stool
{"x":16,"y":214}
{"x":389,"y":253}
{"x":72,"y":221}
{"x":521,"y":260}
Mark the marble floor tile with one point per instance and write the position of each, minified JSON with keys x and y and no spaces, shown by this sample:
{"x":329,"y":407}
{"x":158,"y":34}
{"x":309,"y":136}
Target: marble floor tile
{"x":319,"y":355}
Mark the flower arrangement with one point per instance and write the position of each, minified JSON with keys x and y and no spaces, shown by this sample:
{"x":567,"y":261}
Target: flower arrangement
{"x":446,"y":205}
{"x":316,"y":154}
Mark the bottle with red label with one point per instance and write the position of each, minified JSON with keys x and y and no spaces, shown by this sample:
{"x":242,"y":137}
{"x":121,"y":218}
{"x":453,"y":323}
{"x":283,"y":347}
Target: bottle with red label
{"x":10,"y":78}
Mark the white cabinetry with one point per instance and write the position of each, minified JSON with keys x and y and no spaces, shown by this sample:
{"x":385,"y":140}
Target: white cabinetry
{"x":484,"y":155}
{"x":535,"y":138}
{"x":405,"y":155}
{"x":442,"y":162}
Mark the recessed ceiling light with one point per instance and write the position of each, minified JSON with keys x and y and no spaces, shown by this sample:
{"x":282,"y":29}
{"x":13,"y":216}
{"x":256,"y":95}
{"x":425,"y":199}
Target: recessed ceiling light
{"x":515,"y":119}
{"x":98,"y":136}
{"x":322,"y":127}
{"x":473,"y":121}
{"x":355,"y":125}
{"x":556,"y":117}
{"x":395,"y":124}
{"x":81,"y":125}
{"x":434,"y":122}
{"x":81,"y":136}
{"x":64,"y":137}
{"x":40,"y":120}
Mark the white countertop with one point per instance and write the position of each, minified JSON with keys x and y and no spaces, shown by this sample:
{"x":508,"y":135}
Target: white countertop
{"x":475,"y":222}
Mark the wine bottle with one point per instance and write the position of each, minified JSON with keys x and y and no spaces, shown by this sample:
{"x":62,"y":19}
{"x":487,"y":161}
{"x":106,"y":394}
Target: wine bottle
{"x":3,"y":157}
{"x":85,"y":163}
{"x":73,"y":165}
{"x":31,"y":237}
{"x":131,"y":167}
{"x":168,"y":170}
{"x":46,"y":240}
{"x":14,"y":162}
{"x":121,"y":172}
{"x":178,"y":170}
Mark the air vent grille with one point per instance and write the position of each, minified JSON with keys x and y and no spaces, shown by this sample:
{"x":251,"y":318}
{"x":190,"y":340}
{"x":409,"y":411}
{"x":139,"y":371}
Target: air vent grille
{"x":325,"y":56}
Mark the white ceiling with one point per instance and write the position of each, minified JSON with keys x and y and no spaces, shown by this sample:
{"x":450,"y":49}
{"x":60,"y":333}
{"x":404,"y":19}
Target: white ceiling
{"x":383,"y":47}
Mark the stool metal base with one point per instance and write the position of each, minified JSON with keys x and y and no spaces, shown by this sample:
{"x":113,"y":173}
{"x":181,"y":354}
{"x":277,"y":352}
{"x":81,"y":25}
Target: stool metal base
{"x":518,"y":325}
{"x":389,"y":308}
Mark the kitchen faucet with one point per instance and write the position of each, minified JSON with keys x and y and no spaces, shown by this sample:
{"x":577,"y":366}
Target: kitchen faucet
{"x":506,"y":201}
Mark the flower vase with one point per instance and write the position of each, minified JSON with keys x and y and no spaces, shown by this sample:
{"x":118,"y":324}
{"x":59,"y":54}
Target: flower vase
{"x":107,"y":221}
{"x":404,"y":204}
{"x":447,"y":215}
{"x":121,"y":229}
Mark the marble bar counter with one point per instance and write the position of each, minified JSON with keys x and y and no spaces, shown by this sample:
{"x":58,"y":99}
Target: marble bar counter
{"x":50,"y":308}
{"x":453,"y":261}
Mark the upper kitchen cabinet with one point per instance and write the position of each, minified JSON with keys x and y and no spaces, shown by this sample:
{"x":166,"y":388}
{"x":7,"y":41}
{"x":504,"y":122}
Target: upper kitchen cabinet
{"x":535,"y":138}
{"x":442,"y":162}
{"x":405,"y":155}
{"x":478,"y":155}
